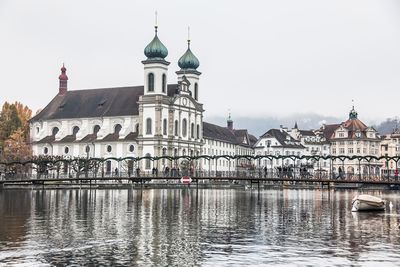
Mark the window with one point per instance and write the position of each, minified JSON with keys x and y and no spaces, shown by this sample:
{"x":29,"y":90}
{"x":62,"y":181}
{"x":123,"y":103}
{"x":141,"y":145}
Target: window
{"x":176,"y":128}
{"x":117,"y":128}
{"x":196,"y":91}
{"x":148,"y":162}
{"x":184,"y":127}
{"x":341,"y":151}
{"x":165,"y":126}
{"x":96,"y":129}
{"x":54,"y":131}
{"x":148,"y":126}
{"x":164,"y":83}
{"x":45,"y":151}
{"x":66,"y":150}
{"x":131,"y":148}
{"x":198,"y":131}
{"x":87,"y":149}
{"x":350,"y":150}
{"x":37,"y":130}
{"x":150,"y":81}
{"x":192,"y":130}
{"x":109,"y":149}
{"x":75,"y":130}
{"x":137,"y":127}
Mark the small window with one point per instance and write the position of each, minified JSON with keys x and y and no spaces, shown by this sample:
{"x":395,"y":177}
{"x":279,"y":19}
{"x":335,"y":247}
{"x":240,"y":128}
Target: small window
{"x":45,"y":151}
{"x":196,"y":91}
{"x":198,"y":131}
{"x":37,"y":130}
{"x":148,"y":126}
{"x":131,"y":148}
{"x":165,"y":127}
{"x":192,"y":130}
{"x":184,"y":127}
{"x":54,"y":131}
{"x":66,"y":150}
{"x":75,"y":130}
{"x":109,"y":148}
{"x":96,"y":129}
{"x":137,"y":127}
{"x":87,"y":149}
{"x":148,"y":162}
{"x":164,"y":83}
{"x":176,"y":128}
{"x":117,"y":128}
{"x":151,"y":82}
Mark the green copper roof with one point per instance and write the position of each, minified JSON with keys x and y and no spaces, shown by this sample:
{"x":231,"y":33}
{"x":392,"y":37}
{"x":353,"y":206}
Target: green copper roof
{"x":353,"y":114}
{"x":155,"y":49}
{"x":188,"y":60}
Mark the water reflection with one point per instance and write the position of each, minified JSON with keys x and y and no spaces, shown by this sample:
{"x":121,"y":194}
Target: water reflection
{"x":188,"y":227}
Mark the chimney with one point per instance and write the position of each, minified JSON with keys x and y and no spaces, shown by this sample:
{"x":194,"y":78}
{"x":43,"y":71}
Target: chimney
{"x":63,"y":81}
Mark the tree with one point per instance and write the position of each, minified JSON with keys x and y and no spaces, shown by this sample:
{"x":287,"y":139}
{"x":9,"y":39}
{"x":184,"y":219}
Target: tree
{"x":9,"y":122}
{"x":16,"y":148}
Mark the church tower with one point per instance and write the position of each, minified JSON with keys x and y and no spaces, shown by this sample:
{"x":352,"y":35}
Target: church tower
{"x":189,"y":64}
{"x":155,"y":67}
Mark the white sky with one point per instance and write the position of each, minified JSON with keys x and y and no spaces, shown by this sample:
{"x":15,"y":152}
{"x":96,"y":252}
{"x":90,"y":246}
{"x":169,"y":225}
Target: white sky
{"x":258,"y":58}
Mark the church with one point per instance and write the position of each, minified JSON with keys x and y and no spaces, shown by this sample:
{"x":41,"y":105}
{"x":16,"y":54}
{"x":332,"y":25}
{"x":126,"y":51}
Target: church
{"x":155,"y":119}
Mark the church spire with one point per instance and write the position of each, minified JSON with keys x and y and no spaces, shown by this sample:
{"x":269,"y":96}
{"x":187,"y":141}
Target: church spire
{"x":63,"y":81}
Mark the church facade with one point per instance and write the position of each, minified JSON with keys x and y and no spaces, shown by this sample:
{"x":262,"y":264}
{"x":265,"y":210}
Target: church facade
{"x":156,"y":119}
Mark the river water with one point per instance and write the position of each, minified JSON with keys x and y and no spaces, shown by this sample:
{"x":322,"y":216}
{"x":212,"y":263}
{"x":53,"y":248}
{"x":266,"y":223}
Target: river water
{"x":185,"y":227}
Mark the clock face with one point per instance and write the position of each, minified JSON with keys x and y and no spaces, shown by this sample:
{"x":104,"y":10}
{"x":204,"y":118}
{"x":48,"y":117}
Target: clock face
{"x":184,"y":101}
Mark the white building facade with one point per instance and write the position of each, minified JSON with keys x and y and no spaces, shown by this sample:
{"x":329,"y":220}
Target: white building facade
{"x":154,"y":120}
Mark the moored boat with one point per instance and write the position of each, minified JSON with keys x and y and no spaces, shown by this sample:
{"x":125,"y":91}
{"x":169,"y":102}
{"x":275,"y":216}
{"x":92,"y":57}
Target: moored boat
{"x":368,"y":203}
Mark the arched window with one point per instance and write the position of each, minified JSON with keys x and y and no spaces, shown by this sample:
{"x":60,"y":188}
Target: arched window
{"x":131,"y":148}
{"x":192,"y":130}
{"x":87,"y":149}
{"x":165,"y":127}
{"x":75,"y":130}
{"x":198,"y":131}
{"x":164,"y":83}
{"x":137,"y":127}
{"x":117,"y":128}
{"x":148,"y":162}
{"x":176,"y":128}
{"x":150,"y":81}
{"x":196,"y":91}
{"x":109,"y":148}
{"x":148,"y":126}
{"x":66,"y":150}
{"x":96,"y":129}
{"x":54,"y":131}
{"x":184,"y":127}
{"x":45,"y":150}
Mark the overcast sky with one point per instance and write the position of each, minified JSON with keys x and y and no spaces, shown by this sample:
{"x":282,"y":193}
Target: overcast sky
{"x":258,"y":58}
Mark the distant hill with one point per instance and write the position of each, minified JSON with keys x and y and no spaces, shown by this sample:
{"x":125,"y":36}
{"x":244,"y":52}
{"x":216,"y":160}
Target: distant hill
{"x":387,"y":126}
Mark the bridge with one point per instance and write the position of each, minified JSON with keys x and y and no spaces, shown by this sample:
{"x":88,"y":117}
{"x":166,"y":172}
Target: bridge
{"x":50,"y":170}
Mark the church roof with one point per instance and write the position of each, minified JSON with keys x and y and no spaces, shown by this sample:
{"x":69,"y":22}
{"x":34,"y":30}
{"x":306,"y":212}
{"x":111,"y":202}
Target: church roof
{"x":91,"y":103}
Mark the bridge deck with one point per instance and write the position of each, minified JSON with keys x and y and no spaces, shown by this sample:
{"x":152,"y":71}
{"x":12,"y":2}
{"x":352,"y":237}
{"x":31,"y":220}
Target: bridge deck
{"x":196,"y":179}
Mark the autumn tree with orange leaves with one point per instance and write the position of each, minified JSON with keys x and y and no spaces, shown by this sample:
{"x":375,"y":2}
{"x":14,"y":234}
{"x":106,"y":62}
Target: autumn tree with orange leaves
{"x":14,"y":132}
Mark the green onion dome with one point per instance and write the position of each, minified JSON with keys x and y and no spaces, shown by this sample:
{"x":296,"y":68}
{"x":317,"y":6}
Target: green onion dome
{"x":188,"y":61}
{"x":155,"y":49}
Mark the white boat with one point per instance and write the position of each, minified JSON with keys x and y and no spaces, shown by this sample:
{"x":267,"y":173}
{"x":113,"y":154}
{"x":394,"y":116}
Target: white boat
{"x":368,"y":203}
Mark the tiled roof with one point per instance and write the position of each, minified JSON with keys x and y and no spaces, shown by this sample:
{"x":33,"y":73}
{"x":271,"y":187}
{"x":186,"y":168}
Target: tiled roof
{"x":90,"y":103}
{"x":284,"y":139}
{"x":215,"y":132}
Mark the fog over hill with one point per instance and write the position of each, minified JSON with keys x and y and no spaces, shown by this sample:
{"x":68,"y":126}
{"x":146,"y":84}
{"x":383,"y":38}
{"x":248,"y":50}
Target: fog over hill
{"x":259,"y":125}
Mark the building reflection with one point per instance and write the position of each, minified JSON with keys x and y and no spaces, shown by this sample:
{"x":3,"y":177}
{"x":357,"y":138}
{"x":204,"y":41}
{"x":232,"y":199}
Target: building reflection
{"x":189,"y":227}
